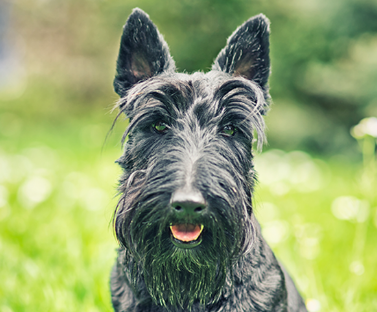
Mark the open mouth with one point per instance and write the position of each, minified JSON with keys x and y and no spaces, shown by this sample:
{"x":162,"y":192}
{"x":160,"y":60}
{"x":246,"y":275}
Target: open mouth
{"x":186,"y":235}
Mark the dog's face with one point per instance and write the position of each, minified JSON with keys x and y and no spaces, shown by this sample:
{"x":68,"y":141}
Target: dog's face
{"x":185,"y":213}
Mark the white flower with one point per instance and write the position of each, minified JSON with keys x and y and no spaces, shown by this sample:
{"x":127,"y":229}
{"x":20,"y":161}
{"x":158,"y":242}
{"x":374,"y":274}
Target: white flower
{"x":367,"y":126}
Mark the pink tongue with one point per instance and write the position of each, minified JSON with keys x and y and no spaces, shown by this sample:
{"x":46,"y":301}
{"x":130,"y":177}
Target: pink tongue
{"x":186,"y":232}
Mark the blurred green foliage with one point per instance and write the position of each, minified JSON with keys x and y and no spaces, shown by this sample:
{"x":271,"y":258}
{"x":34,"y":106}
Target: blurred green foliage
{"x":323,"y":53}
{"x":58,"y":179}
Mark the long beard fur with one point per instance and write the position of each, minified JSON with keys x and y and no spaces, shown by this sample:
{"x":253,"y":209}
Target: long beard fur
{"x":177,"y":278}
{"x":182,"y":278}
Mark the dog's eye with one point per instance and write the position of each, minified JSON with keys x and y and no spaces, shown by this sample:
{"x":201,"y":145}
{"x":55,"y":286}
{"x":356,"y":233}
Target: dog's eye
{"x":228,"y":130}
{"x":160,"y":127}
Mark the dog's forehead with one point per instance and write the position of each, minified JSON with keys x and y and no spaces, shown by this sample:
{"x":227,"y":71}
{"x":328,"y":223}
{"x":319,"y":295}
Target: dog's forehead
{"x":198,"y":91}
{"x":204,"y":84}
{"x":200,"y":99}
{"x":179,"y":92}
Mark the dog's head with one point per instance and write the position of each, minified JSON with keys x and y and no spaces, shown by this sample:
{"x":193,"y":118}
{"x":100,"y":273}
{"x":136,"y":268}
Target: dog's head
{"x":184,"y":214}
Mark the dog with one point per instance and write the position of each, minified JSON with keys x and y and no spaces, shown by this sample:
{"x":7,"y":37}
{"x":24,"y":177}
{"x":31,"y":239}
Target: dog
{"x":189,"y":240}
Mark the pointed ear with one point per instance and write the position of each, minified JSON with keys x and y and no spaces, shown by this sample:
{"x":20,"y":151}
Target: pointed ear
{"x":247,"y":52}
{"x":143,"y":53}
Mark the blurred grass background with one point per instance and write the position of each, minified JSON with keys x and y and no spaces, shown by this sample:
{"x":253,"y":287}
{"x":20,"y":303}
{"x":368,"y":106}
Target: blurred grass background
{"x":316,"y":198}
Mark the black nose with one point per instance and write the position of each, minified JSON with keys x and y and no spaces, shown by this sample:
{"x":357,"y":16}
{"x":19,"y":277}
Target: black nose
{"x":188,"y":202}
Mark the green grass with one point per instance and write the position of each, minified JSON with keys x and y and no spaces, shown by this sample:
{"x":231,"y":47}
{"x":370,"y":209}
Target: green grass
{"x":321,"y":222}
{"x":57,"y":188}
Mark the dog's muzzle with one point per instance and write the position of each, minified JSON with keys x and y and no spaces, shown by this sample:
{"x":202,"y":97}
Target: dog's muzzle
{"x":188,"y":204}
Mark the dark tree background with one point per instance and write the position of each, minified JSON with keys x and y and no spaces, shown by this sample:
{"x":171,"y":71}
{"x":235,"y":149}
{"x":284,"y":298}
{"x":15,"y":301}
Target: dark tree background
{"x":324,"y":58}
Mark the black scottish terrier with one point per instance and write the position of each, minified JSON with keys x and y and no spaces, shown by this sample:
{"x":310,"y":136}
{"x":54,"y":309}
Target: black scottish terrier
{"x":189,"y":238}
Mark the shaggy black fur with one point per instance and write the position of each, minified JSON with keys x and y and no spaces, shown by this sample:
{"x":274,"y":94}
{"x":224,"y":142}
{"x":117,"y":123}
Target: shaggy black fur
{"x":188,"y":162}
